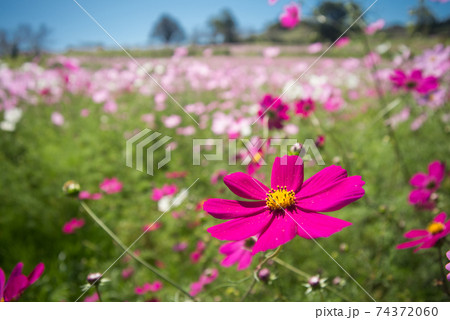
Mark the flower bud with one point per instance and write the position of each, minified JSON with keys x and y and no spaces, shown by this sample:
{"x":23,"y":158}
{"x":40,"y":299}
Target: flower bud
{"x":264,"y":274}
{"x":71,"y":188}
{"x":94,"y":278}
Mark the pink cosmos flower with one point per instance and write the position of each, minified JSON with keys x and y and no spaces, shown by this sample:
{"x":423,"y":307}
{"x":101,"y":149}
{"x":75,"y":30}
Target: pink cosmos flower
{"x":197,"y":254}
{"x":57,"y":119}
{"x":17,"y":283}
{"x":112,"y":185}
{"x":151,"y":227}
{"x":427,"y":238}
{"x":320,"y":141}
{"x":208,"y":276}
{"x":290,"y":16}
{"x":425,"y":184}
{"x":342,"y":42}
{"x":305,"y":107}
{"x":315,"y":47}
{"x":291,"y":207}
{"x":253,"y":154}
{"x":92,"y":298}
{"x":127,"y":272}
{"x":334,"y":103}
{"x":72,"y":225}
{"x":181,"y":246}
{"x":85,"y":195}
{"x":275,"y":110}
{"x":171,"y":121}
{"x":84,"y":112}
{"x":110,"y":106}
{"x":239,"y":252}
{"x":375,"y":26}
{"x":149,"y":287}
{"x":414,"y":81}
{"x":166,"y":190}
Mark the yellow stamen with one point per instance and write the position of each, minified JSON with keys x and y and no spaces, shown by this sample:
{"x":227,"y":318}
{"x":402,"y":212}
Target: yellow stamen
{"x":280,"y":198}
{"x":257,"y":157}
{"x":435,"y":227}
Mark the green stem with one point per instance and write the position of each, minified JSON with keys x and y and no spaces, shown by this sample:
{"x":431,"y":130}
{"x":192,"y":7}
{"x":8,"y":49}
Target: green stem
{"x":383,"y":104}
{"x":98,"y":292}
{"x":131,"y":254}
{"x":255,"y":273}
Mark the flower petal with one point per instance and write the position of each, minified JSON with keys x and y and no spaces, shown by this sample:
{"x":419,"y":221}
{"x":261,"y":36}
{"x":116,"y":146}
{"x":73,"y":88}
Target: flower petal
{"x":231,"y":259}
{"x":36,"y":273}
{"x":322,"y":180}
{"x":416,"y":233}
{"x":280,"y":230}
{"x":245,"y":186}
{"x":2,"y":283}
{"x":419,"y":180}
{"x":440,"y":217}
{"x":287,"y":171}
{"x":436,"y":169}
{"x":317,"y":225}
{"x":410,"y":244}
{"x":334,"y":197}
{"x":15,"y":288}
{"x":241,"y":228}
{"x":246,"y":261}
{"x":232,"y":209}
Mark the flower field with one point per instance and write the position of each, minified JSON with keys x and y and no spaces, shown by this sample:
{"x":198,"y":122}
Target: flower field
{"x":291,"y":177}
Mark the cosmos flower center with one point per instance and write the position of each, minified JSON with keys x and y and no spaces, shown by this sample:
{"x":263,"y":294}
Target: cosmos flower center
{"x":435,"y":227}
{"x":257,"y":157}
{"x":280,"y":198}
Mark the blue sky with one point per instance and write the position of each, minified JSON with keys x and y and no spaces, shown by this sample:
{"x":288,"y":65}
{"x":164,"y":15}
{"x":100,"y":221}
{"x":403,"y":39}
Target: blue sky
{"x":130,"y":21}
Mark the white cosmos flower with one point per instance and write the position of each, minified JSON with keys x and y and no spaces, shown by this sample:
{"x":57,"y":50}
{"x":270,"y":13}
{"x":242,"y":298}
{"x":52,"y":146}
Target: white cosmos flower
{"x":168,"y":202}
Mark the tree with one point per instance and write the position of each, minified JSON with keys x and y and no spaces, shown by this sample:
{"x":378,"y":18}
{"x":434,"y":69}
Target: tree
{"x":168,"y":30}
{"x":425,"y":19}
{"x":334,"y":17}
{"x":224,"y":25}
{"x":23,"y":40}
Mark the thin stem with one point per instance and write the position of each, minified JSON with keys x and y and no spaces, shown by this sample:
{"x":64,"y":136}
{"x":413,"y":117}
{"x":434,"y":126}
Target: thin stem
{"x":131,"y":254}
{"x":307,"y":276}
{"x":98,"y":292}
{"x":255,"y":273}
{"x":444,"y":278}
{"x":382,"y":103}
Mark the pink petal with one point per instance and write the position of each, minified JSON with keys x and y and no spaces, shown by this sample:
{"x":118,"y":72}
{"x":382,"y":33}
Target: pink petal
{"x":231,"y":209}
{"x":15,"y":287}
{"x":2,"y":283}
{"x":436,"y":169}
{"x":419,"y":196}
{"x":317,"y":225}
{"x":440,"y":217}
{"x":410,"y":244}
{"x":416,"y":233}
{"x":334,"y":197}
{"x":419,"y":180}
{"x":280,"y":230}
{"x":230,"y":247}
{"x":36,"y":273}
{"x":245,"y":186}
{"x":231,"y":259}
{"x":322,"y":180}
{"x":241,"y":228}
{"x":246,"y":261}
{"x":287,"y":171}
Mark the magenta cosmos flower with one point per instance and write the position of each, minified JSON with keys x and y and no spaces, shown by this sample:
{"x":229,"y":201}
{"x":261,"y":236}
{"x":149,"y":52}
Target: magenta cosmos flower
{"x":414,"y":81}
{"x":275,"y":110}
{"x":305,"y":107}
{"x":112,"y":185}
{"x":447,"y":266}
{"x":425,"y":184}
{"x":18,"y":282}
{"x":427,"y":238}
{"x":237,"y":252}
{"x":290,"y":16}
{"x":290,"y":207}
